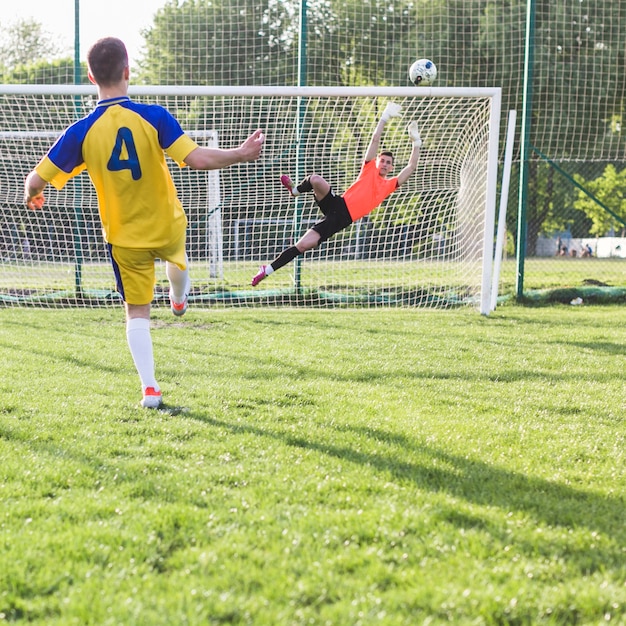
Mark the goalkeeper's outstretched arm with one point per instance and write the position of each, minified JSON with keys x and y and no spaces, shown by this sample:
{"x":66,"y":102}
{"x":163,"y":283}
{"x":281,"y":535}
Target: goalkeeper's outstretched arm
{"x":391,"y":110}
{"x":410,"y":167}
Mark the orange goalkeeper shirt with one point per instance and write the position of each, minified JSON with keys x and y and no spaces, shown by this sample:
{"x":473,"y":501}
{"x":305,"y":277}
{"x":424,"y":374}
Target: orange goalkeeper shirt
{"x":368,"y":191}
{"x":122,"y":144}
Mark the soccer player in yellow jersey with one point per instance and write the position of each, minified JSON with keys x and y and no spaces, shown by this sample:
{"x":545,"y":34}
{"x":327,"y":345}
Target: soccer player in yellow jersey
{"x":371,"y":187}
{"x":122,"y":144}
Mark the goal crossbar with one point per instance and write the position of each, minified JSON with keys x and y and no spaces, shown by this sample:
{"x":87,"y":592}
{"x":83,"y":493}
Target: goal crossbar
{"x":256,"y":91}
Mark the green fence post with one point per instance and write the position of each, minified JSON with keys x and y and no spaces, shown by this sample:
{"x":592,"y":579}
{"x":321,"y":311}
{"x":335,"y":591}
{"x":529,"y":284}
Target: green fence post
{"x":78,"y":210}
{"x":525,"y":145}
{"x":302,"y":78}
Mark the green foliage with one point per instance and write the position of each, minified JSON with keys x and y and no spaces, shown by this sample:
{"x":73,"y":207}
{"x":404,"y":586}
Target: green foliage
{"x":576,"y":44}
{"x":610,"y":190}
{"x":560,"y":213}
{"x":30,"y":55}
{"x":347,"y":44}
{"x":239,"y":44}
{"x":25,"y":41}
{"x":355,"y":25}
{"x":388,"y":467}
{"x":58,"y":72}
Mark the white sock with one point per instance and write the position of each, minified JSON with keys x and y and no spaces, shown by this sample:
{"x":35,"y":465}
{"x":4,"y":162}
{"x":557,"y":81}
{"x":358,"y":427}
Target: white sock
{"x":140,"y":344}
{"x":179,"y":281}
{"x":269,"y":270}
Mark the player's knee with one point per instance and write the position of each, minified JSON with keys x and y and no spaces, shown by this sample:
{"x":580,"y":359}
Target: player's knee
{"x":310,"y":240}
{"x":317,"y":181}
{"x":305,"y":246}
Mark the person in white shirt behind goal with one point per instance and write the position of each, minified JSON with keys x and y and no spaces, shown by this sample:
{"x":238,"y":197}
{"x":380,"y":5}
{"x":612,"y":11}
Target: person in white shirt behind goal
{"x":367,"y":192}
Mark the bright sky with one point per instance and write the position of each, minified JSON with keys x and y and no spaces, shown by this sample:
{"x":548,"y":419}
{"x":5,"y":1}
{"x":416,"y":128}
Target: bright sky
{"x":98,"y":18}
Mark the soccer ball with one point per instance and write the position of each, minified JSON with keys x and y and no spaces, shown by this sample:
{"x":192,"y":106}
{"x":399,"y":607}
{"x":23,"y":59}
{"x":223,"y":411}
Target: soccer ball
{"x":423,"y":72}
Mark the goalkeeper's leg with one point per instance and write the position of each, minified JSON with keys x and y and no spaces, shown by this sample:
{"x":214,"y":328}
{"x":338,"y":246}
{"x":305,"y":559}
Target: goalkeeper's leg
{"x":313,"y":182}
{"x":308,"y":241}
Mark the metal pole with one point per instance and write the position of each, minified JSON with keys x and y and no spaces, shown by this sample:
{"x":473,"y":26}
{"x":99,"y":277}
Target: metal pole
{"x":525,"y":145}
{"x":78,"y":212}
{"x":302,"y":78}
{"x":504,"y":200}
{"x":77,"y":76}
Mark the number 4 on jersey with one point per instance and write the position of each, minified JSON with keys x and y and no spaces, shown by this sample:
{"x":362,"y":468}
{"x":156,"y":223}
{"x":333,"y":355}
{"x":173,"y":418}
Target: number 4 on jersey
{"x":116,"y":163}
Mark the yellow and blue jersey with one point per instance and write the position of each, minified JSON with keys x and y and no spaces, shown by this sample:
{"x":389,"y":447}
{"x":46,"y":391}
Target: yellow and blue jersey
{"x":122,"y":144}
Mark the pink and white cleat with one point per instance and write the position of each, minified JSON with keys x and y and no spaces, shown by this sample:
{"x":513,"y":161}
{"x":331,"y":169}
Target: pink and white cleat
{"x":260,"y":275}
{"x":288,"y":184}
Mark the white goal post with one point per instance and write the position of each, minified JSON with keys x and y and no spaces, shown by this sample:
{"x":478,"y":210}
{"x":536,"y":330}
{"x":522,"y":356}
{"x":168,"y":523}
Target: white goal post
{"x":429,"y":244}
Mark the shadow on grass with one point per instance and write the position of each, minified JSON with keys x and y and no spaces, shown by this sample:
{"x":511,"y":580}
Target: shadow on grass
{"x":551,"y":503}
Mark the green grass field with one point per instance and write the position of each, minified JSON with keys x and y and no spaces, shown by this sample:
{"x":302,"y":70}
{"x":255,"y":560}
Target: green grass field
{"x":562,"y":272}
{"x":340,"y":467}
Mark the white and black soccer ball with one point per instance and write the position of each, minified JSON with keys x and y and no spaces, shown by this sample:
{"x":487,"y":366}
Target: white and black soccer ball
{"x":423,"y":72}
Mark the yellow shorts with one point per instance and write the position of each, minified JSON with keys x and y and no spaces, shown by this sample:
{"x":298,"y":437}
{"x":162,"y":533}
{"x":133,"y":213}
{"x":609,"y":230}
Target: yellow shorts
{"x":134,"y":271}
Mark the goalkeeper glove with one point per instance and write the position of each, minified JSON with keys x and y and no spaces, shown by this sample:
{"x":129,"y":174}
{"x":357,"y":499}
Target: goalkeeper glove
{"x":414,"y":134}
{"x":391,"y":110}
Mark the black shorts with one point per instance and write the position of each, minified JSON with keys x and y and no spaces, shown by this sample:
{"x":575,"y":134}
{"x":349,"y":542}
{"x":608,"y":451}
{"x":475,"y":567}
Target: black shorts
{"x":336,"y":216}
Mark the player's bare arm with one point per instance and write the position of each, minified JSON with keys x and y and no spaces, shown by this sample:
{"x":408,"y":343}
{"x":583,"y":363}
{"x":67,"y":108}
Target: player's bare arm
{"x":391,"y":110}
{"x":33,"y":191}
{"x":218,"y":158}
{"x":372,"y":149}
{"x":411,"y":166}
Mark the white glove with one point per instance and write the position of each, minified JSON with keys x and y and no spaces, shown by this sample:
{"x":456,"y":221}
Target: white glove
{"x":391,"y":110}
{"x":414,"y":134}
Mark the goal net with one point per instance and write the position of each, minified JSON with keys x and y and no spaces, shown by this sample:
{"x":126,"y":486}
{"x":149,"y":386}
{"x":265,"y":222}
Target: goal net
{"x":429,"y":244}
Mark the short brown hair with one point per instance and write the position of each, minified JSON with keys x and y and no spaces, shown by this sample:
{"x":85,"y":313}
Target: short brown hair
{"x":107,"y":59}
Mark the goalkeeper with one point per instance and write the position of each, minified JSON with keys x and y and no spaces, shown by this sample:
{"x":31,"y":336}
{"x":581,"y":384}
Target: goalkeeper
{"x":371,"y":187}
{"x":123,"y":144}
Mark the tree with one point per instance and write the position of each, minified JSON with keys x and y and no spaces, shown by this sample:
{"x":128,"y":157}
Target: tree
{"x":610,"y":190}
{"x":24,"y":42}
{"x":255,"y":42}
{"x":57,"y":72}
{"x":205,"y":42}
